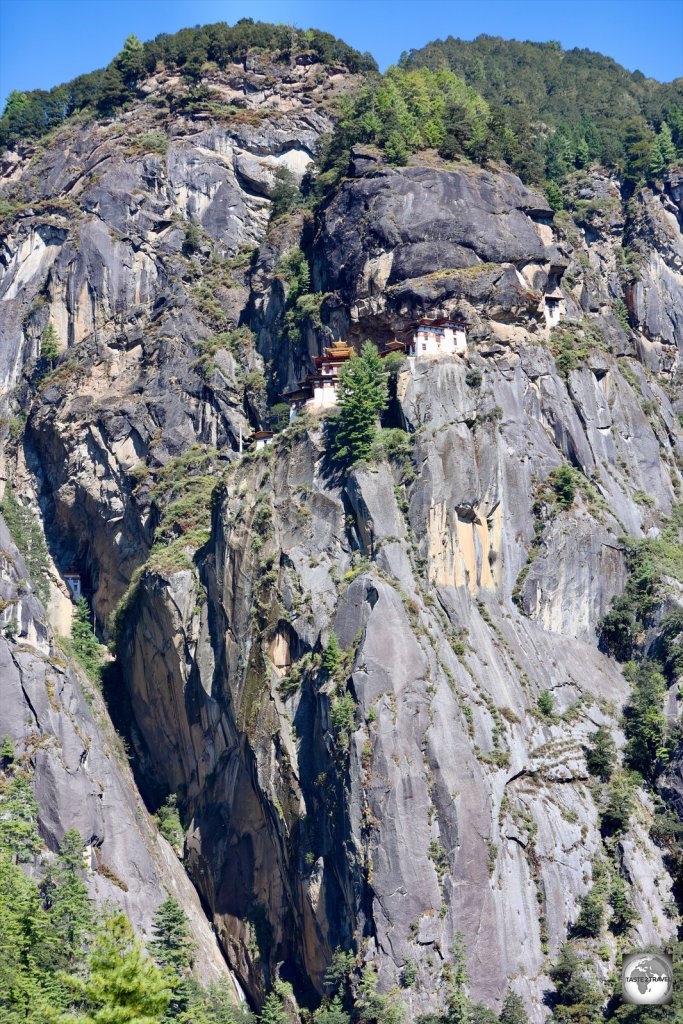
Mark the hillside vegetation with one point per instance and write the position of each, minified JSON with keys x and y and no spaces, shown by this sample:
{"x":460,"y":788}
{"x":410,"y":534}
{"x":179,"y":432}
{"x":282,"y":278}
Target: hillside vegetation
{"x":542,"y":110}
{"x":33,"y":114}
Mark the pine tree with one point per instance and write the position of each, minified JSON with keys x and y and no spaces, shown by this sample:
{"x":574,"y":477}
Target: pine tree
{"x":601,"y":755}
{"x":656,"y":164}
{"x":638,"y":142}
{"x":371,"y":1006}
{"x":84,"y":643}
{"x":458,"y":1004}
{"x":27,"y":950}
{"x":19,"y":836}
{"x":286,"y":194}
{"x":559,"y":154}
{"x":28,"y":537}
{"x":623,"y":911}
{"x":362,"y":397}
{"x":172,"y":948}
{"x":332,"y":656}
{"x":112,"y":93}
{"x":545,"y":703}
{"x":666,"y":144}
{"x":618,"y":804}
{"x":583,"y":156}
{"x":513,"y":1011}
{"x":49,"y":345}
{"x":122,"y":985}
{"x":591,"y":915}
{"x":273,"y":1011}
{"x":576,"y":991}
{"x":131,"y":61}
{"x":66,"y":900}
{"x":554,"y":196}
{"x":646,"y":723}
{"x":217,"y":1004}
{"x":7,"y":752}
{"x":333,"y":1013}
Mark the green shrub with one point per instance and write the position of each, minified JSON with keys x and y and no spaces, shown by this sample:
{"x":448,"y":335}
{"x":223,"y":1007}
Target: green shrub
{"x":286,"y":194}
{"x":564,"y":485}
{"x":168,"y":822}
{"x":153,"y":142}
{"x":342,"y":717}
{"x":591,"y":915}
{"x":545,"y":703}
{"x":473,"y":377}
{"x":439,"y":857}
{"x":601,"y":754}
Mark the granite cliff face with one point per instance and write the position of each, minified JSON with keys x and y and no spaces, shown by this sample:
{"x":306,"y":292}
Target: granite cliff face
{"x":57,"y":720}
{"x":416,"y":791}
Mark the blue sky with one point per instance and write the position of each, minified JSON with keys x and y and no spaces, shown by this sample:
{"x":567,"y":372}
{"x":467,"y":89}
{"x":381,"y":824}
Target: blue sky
{"x":45,"y":42}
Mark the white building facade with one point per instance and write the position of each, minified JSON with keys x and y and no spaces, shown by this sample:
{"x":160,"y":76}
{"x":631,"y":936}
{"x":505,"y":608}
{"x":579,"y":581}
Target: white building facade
{"x":435,"y":338}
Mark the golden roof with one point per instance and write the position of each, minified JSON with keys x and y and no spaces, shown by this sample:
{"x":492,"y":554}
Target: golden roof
{"x":339,"y":350}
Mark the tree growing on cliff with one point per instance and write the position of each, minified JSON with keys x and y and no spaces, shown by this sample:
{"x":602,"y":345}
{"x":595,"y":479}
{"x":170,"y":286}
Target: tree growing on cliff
{"x":19,"y":836}
{"x":28,"y":537}
{"x":647,"y":750}
{"x":286,"y":194}
{"x":84,"y":644}
{"x":49,"y":345}
{"x":458,"y":1004}
{"x":131,"y":61}
{"x":65,"y":897}
{"x":373,"y":1008}
{"x":513,"y":1011}
{"x":601,"y":754}
{"x":121,"y":983}
{"x":172,"y":948}
{"x":363,"y":396}
{"x":332,"y":656}
{"x":273,"y":1011}
{"x":577,"y":998}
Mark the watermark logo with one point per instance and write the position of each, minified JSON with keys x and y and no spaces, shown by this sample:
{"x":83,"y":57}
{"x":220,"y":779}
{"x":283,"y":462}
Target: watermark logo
{"x":647,"y":979}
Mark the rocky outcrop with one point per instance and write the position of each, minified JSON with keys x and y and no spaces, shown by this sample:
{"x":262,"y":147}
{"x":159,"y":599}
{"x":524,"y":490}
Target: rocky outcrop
{"x":394,"y":244}
{"x":444,"y":674}
{"x":98,"y":249}
{"x":59,"y":725}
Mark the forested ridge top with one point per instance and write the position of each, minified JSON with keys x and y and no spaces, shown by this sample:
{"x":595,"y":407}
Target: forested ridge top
{"x":598,"y":109}
{"x":542,"y":110}
{"x":35,"y":113}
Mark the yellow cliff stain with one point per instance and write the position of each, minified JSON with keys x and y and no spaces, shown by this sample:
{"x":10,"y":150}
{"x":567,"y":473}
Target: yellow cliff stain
{"x":465,"y":552}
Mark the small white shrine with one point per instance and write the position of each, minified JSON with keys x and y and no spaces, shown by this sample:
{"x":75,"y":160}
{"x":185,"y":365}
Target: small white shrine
{"x":554,"y":307}
{"x":260,"y":438}
{"x":73,"y":582}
